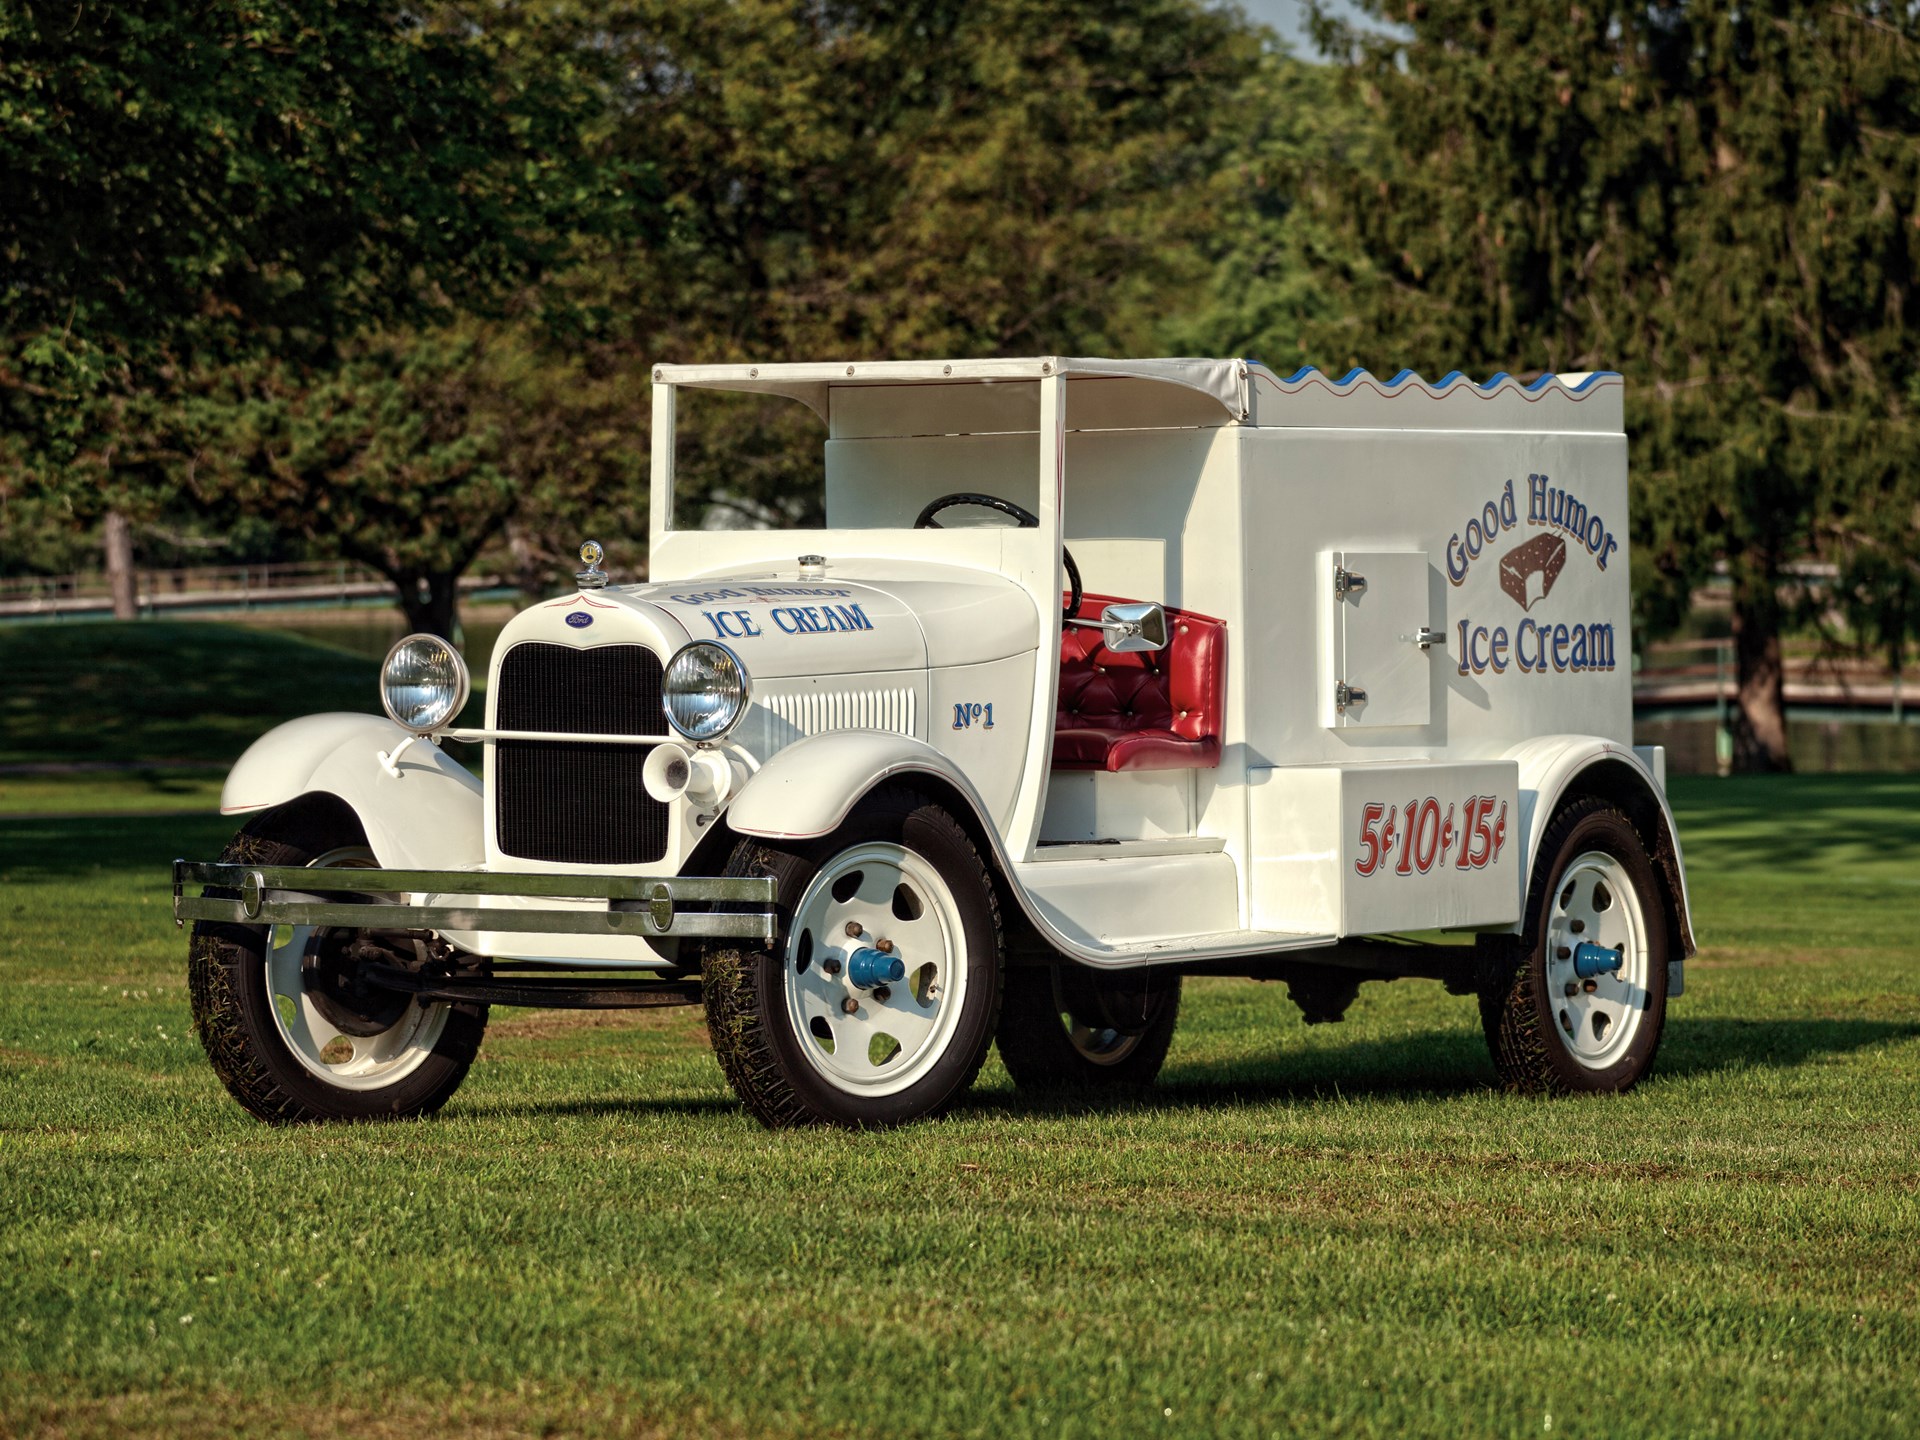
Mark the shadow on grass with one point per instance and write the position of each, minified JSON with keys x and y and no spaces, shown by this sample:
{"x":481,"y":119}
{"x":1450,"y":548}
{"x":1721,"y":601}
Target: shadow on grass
{"x":143,"y":845}
{"x":1709,"y":1045}
{"x":1420,"y":1067}
{"x":615,"y":1107}
{"x":1446,"y":1065}
{"x":1800,"y":824}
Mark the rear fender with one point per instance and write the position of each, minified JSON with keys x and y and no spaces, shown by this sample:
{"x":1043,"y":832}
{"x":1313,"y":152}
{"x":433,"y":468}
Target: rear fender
{"x":421,"y":811}
{"x":1558,"y":769}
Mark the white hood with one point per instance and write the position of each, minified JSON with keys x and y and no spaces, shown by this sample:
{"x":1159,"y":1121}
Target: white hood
{"x":781,"y":625}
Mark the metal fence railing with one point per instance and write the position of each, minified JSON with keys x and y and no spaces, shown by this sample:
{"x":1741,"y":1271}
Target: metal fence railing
{"x":208,"y":587}
{"x":1681,"y":674}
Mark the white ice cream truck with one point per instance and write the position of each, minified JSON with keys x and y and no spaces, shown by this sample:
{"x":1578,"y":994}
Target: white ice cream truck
{"x":1099,"y":673}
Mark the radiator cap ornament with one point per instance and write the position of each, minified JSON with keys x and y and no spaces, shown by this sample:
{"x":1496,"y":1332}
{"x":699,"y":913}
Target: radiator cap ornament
{"x":593,"y":577}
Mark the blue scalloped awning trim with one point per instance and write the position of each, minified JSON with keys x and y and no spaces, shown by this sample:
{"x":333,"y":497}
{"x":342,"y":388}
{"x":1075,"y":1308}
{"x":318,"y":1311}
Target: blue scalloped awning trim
{"x":1446,"y":382}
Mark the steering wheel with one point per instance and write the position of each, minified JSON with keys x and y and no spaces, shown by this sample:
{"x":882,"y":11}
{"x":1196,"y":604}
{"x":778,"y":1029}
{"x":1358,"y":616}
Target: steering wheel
{"x":1026,"y":519}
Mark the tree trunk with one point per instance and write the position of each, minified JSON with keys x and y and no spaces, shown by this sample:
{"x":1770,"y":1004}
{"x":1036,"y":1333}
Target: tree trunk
{"x":1760,"y":720}
{"x":431,"y":602}
{"x":531,"y":570}
{"x":120,"y":577}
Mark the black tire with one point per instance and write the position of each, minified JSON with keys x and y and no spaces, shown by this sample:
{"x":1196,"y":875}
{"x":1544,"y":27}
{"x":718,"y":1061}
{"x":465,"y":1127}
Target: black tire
{"x":767,"y":1060}
{"x":1066,"y":1027}
{"x":1526,"y":1006}
{"x":233,"y":1001}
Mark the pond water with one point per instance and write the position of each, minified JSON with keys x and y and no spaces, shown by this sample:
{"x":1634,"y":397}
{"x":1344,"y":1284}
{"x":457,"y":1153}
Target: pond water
{"x":1868,"y":741}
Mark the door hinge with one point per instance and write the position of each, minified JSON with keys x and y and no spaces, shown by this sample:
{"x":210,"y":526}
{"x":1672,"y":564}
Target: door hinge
{"x":1345,"y":695}
{"x":1345,"y":580}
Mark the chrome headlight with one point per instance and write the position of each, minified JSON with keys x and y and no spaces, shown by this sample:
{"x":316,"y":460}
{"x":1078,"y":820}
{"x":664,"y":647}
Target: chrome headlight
{"x":704,"y":690}
{"x":423,"y":683}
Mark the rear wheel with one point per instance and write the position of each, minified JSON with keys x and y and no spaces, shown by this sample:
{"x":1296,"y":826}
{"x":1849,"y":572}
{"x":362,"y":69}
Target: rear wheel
{"x":876,"y":1002}
{"x":1069,"y":1027}
{"x":285,"y":1013}
{"x":1577,"y":1002}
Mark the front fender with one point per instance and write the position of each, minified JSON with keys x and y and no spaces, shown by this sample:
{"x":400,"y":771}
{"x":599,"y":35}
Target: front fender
{"x":1556,"y":768}
{"x":808,"y":788}
{"x":430,"y":815}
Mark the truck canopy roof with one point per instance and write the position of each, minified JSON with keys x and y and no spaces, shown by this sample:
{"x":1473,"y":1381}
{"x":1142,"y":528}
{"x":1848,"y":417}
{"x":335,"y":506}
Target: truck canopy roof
{"x":1244,"y":391}
{"x":810,"y":383}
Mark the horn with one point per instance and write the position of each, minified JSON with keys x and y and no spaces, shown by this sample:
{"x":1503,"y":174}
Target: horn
{"x":668,"y":772}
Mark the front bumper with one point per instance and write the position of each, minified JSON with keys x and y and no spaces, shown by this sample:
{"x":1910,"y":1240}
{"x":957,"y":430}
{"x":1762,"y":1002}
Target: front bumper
{"x":647,"y":907}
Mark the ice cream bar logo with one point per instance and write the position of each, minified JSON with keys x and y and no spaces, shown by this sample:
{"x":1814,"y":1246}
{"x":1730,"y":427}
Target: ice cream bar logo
{"x":1527,"y":572}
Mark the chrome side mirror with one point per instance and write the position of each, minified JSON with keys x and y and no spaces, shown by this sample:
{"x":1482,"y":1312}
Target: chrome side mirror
{"x":1127,"y":628}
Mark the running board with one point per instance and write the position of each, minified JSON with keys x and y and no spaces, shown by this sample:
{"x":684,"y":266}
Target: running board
{"x":1224,"y":945}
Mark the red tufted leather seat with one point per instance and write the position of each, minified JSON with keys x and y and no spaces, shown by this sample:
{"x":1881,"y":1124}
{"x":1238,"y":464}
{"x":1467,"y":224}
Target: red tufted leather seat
{"x":1150,"y":710}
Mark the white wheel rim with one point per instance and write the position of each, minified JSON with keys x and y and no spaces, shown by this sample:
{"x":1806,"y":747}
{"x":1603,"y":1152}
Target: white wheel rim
{"x":349,"y":1062}
{"x":1098,"y":1045}
{"x":880,"y":1044}
{"x":1596,"y":1017}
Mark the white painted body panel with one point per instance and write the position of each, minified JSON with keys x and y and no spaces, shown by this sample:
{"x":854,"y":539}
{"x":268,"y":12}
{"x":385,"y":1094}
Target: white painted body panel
{"x":1334,"y":848}
{"x":1104,"y":904}
{"x":1089,"y":805}
{"x":428,"y":816}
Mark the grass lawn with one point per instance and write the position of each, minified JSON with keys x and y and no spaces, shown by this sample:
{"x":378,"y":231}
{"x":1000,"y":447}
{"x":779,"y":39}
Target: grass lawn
{"x":1340,"y":1230}
{"x":95,"y":717}
{"x":101,"y":693}
{"x":164,"y":690}
{"x":144,"y":790}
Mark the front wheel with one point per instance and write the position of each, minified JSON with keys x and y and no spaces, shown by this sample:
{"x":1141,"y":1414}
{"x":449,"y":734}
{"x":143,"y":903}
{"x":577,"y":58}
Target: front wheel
{"x":1576,"y":1004}
{"x":876,"y":1002}
{"x":288,"y":1020}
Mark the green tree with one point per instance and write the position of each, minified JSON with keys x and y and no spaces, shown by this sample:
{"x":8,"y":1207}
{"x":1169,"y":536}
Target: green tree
{"x":194,"y":186}
{"x":382,"y":459}
{"x":881,"y":179}
{"x":1870,"y":528}
{"x":1721,"y":200}
{"x":422,"y":450}
{"x":1297,"y":135}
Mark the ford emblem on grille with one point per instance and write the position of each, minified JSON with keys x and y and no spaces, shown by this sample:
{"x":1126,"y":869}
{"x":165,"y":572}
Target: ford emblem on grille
{"x":579,"y":619}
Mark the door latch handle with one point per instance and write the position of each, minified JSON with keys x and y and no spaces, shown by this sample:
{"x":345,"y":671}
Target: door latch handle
{"x":1426,"y":637}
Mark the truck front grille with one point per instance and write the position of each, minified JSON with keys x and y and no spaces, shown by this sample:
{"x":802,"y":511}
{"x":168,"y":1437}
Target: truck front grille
{"x":570,"y":801}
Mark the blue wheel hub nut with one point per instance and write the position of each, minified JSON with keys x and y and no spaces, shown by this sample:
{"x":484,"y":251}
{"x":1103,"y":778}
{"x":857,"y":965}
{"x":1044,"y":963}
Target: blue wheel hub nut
{"x":1590,"y":960}
{"x":867,"y":967}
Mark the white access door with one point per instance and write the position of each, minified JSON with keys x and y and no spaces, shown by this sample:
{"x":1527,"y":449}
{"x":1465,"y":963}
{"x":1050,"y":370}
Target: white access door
{"x":1375,"y":669}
